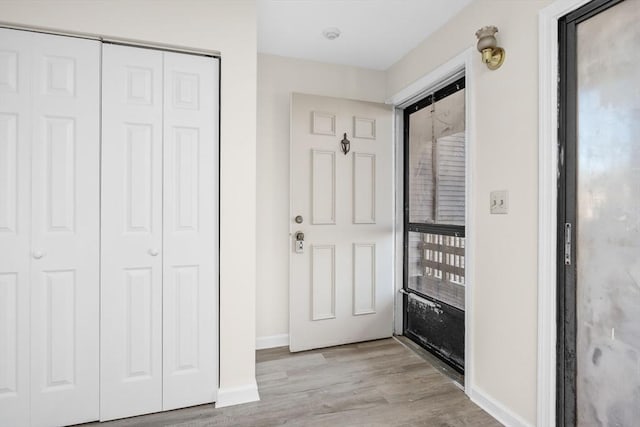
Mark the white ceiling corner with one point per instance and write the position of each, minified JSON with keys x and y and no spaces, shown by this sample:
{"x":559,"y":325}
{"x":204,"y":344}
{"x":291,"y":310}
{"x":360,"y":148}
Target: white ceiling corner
{"x":374,"y":33}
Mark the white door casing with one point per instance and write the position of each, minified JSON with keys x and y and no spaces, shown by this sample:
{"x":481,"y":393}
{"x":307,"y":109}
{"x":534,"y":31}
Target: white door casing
{"x":49,"y":212}
{"x":131,"y":232}
{"x":190,"y":233}
{"x":341,"y":287}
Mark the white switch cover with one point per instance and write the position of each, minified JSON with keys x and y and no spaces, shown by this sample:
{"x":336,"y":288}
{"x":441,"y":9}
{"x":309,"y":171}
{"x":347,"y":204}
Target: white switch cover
{"x":499,"y":202}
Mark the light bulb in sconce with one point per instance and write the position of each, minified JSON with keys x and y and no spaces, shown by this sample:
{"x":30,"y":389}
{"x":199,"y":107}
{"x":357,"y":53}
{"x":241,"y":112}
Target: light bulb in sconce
{"x":492,"y":55}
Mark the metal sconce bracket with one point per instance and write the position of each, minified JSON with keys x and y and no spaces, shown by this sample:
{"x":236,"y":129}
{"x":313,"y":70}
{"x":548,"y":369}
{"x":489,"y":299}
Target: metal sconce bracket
{"x":492,"y":55}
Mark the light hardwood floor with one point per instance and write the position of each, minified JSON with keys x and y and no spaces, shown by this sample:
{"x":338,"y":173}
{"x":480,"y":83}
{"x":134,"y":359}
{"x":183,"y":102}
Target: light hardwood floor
{"x":377,"y":383}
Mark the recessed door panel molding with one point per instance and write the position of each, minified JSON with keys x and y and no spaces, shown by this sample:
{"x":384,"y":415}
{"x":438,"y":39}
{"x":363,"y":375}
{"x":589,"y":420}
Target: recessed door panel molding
{"x":139,"y":328}
{"x":59,"y":75}
{"x":60,"y":172}
{"x":60,"y":295}
{"x":8,"y":335}
{"x":323,"y":187}
{"x":323,"y":123}
{"x":364,"y":128}
{"x":140,"y":85}
{"x":8,"y":70}
{"x":323,"y":283}
{"x":186,"y":147}
{"x":190,"y":269}
{"x":364,"y":278}
{"x":364,"y":188}
{"x":186,"y":289}
{"x":186,"y":90}
{"x":131,"y":229}
{"x":65,"y":230}
{"x":8,"y":172}
{"x":15,"y":224}
{"x":139,"y":178}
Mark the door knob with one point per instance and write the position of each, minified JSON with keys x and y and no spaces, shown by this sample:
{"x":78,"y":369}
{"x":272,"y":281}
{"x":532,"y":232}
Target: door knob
{"x":153,"y":252}
{"x":38,"y":254}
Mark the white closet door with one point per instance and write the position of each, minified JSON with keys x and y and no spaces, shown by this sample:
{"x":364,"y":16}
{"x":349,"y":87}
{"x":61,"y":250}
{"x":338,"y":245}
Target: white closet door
{"x":65,"y":230}
{"x":190,"y":230}
{"x":15,"y":225}
{"x":131,"y":290}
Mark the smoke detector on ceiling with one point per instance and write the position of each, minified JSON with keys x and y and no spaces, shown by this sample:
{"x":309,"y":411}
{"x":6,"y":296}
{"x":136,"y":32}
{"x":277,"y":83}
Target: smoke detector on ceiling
{"x":331,"y":33}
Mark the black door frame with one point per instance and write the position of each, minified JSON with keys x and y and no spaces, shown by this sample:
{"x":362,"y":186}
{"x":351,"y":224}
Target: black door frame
{"x":566,"y":411}
{"x":451,"y":230}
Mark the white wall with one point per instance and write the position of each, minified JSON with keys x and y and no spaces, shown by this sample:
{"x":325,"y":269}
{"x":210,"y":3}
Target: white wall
{"x":277,"y":78}
{"x":505,"y":282}
{"x":227,"y":26}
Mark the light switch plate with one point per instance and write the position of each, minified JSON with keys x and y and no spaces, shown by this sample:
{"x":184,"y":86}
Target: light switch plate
{"x":499,"y":202}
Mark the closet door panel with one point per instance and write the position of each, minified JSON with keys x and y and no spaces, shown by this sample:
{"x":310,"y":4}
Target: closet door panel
{"x":190,"y":230}
{"x":131,"y":230}
{"x":65,"y":230}
{"x":15,"y":225}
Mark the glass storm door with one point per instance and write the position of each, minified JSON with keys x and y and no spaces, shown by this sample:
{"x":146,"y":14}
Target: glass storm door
{"x":599,"y":218}
{"x":434,"y":232}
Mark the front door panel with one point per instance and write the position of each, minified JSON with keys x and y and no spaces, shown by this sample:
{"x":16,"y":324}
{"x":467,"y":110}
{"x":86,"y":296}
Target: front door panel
{"x":341,"y":287}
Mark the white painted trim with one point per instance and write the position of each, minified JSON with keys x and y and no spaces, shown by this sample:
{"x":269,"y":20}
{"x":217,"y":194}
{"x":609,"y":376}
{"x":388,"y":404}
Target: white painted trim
{"x":398,"y":221}
{"x":453,"y":69}
{"x":497,"y":410}
{"x":272,"y":341}
{"x":440,"y":77}
{"x":547,"y":204}
{"x":470,"y":223}
{"x":114,"y":40}
{"x":237,"y":395}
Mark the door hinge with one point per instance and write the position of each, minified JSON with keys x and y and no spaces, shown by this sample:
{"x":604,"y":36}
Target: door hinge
{"x":567,"y":243}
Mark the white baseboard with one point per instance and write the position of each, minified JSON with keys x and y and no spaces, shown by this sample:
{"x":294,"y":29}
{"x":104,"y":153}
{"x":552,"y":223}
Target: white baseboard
{"x":272,"y":341}
{"x":497,"y":410}
{"x":237,"y":395}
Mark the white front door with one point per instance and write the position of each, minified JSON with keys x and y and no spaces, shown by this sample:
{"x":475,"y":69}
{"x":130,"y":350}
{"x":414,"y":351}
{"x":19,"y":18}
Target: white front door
{"x":341,"y":288}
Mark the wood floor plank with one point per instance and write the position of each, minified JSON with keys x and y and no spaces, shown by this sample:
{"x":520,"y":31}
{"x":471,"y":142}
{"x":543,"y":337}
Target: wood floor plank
{"x":377,"y":383}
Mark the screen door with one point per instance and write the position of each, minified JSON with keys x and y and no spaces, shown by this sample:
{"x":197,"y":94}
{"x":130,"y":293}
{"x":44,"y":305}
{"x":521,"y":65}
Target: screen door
{"x":434,"y":232}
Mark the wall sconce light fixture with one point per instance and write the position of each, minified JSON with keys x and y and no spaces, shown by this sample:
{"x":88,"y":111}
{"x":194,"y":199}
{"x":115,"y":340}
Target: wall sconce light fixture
{"x":492,"y":55}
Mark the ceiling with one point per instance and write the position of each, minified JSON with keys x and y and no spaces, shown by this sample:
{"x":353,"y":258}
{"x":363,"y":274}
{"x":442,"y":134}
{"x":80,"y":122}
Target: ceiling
{"x":374,"y":33}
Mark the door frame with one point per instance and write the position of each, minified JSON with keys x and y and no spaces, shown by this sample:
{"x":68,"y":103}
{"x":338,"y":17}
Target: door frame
{"x":459,"y":65}
{"x":548,"y":170}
